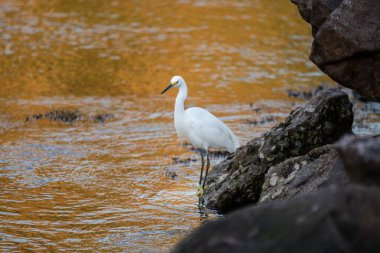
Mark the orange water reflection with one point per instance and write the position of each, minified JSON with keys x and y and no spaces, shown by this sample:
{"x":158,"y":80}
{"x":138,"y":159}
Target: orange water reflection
{"x":88,"y":186}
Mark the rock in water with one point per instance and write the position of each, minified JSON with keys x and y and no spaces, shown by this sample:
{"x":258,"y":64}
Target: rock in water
{"x":69,"y":116}
{"x":346,"y":42}
{"x":331,"y":220}
{"x":237,"y":180}
{"x":65,"y":116}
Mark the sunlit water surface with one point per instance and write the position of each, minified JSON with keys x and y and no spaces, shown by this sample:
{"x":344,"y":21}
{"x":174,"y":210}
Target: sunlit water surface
{"x":126,"y":185}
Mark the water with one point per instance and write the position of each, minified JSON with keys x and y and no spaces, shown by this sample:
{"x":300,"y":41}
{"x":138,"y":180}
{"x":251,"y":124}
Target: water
{"x":118,"y":186}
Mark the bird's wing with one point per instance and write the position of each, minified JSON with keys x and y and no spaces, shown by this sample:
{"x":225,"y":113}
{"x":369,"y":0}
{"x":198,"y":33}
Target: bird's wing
{"x":208,"y":128}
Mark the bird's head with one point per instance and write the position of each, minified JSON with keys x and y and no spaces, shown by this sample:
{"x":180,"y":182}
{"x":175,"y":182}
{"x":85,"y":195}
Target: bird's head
{"x":176,"y":81}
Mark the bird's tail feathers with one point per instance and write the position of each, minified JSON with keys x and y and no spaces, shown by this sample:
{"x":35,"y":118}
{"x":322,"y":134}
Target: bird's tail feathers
{"x":235,"y":142}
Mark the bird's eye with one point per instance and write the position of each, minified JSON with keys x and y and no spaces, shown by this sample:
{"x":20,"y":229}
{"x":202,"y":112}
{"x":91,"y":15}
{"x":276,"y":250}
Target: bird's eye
{"x":176,"y":82}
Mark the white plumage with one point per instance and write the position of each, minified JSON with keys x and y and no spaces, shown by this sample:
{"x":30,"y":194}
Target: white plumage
{"x":204,"y":130}
{"x":200,"y":127}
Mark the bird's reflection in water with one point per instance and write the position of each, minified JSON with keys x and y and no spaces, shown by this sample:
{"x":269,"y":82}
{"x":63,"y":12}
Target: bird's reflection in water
{"x":205,"y":214}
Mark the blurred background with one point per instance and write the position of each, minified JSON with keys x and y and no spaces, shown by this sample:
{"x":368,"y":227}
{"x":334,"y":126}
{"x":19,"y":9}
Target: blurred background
{"x":125,"y":183}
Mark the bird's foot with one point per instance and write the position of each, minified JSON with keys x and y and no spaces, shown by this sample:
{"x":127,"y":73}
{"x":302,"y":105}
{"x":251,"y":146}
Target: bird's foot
{"x":200,"y":191}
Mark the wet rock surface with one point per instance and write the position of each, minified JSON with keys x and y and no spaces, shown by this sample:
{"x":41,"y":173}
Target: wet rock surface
{"x":330,"y":220}
{"x":237,"y":181}
{"x":361,"y":158}
{"x":303,"y":174}
{"x":346,"y":42}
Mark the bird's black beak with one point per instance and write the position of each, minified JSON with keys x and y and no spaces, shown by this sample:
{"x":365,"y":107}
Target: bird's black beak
{"x":167,"y":88}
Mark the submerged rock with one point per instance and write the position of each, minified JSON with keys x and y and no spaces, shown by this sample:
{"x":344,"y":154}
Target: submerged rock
{"x":68,"y":116}
{"x":346,"y":42}
{"x":171,"y":174}
{"x":237,"y":181}
{"x":187,"y":160}
{"x":101,"y":118}
{"x":331,"y":220}
{"x":264,"y":120}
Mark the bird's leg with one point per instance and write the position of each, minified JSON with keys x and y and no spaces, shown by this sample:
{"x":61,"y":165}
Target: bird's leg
{"x":202,"y":165}
{"x":200,"y":190}
{"x":207,"y":167}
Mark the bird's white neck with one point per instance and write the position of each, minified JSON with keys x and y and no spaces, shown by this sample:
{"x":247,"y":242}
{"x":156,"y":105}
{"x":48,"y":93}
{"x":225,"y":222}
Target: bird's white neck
{"x":179,"y":109}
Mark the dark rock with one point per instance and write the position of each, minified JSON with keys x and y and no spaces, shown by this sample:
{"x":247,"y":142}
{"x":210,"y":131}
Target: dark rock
{"x":237,"y":180}
{"x":316,"y":12}
{"x":304,"y":7}
{"x":361,"y":158}
{"x":331,"y":220}
{"x":321,"y":10}
{"x":303,"y":174}
{"x":346,"y":44}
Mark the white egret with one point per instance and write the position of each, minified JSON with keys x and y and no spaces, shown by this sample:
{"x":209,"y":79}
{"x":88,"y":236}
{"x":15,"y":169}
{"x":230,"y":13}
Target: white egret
{"x":200,"y":127}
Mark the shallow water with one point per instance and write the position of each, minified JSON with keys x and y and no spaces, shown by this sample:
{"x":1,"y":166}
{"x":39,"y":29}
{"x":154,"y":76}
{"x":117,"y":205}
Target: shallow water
{"x":118,"y":185}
